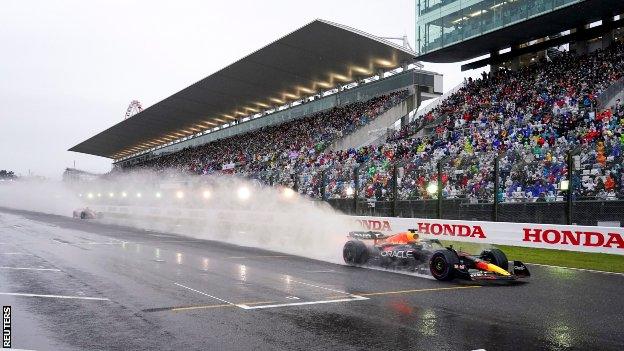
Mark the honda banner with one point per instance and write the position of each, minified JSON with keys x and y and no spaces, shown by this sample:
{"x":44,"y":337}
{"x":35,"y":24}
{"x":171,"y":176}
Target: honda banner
{"x":548,"y":236}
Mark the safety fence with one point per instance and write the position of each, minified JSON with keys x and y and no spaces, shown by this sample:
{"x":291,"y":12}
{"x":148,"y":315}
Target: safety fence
{"x":583,"y":185}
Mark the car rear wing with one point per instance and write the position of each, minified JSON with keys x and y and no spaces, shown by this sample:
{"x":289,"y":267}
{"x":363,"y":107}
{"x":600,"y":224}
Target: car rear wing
{"x":367,"y":235}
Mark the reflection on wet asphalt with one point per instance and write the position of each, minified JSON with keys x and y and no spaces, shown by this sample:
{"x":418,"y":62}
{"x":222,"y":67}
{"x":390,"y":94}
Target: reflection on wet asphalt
{"x":102,"y":287}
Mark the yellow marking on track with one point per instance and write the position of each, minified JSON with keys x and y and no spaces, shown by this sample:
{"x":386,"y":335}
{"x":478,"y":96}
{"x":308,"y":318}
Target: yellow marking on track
{"x":409,"y":291}
{"x":177,"y":309}
{"x":418,"y":290}
{"x":202,"y":307}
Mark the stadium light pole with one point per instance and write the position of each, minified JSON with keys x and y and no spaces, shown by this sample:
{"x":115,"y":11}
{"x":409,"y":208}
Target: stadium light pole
{"x":570,"y":188}
{"x":496,"y":188}
{"x":323,"y":181}
{"x":356,"y":184}
{"x":439,"y":190}
{"x":395,"y":190}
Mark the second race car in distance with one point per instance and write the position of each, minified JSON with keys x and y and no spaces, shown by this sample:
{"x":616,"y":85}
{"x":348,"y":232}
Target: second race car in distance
{"x":86,"y":213}
{"x":407,"y":251}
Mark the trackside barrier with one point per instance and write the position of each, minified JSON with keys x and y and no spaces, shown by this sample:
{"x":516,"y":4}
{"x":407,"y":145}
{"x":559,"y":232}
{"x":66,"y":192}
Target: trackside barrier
{"x":561,"y":237}
{"x":548,"y":236}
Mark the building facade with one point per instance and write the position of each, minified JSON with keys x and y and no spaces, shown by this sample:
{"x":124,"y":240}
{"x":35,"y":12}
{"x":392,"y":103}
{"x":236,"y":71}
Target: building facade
{"x":441,"y":23}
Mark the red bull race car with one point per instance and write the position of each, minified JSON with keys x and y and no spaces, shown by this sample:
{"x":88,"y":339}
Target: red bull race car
{"x":86,"y":213}
{"x":406,"y":251}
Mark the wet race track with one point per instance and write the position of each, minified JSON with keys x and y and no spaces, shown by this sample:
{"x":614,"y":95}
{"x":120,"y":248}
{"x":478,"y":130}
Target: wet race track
{"x":76,"y":285}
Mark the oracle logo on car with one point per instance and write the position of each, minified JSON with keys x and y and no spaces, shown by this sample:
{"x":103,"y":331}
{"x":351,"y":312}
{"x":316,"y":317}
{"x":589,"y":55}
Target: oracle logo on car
{"x":372,"y":224}
{"x":462,"y":230}
{"x":574,"y":238}
{"x":398,"y":253}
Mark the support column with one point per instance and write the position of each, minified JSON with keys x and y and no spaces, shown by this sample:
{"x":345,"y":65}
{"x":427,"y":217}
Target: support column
{"x":580,"y":46}
{"x":412,"y":105}
{"x":380,"y":73}
{"x":515,"y":61}
{"x":495,"y":63}
{"x":607,"y":38}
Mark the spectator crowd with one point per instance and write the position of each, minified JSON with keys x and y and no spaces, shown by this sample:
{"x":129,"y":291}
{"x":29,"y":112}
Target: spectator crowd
{"x":529,"y":118}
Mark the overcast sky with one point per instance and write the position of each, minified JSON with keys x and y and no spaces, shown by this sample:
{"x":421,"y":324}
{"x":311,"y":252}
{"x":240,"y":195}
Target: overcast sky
{"x":69,"y":69}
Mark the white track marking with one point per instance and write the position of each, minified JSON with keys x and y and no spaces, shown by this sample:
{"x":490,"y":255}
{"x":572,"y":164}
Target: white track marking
{"x":322,"y":271}
{"x":57,"y":296}
{"x":353,"y":298}
{"x":15,"y":253}
{"x":258,"y":256}
{"x":413,"y":274}
{"x":137,"y":242}
{"x":349,"y":297}
{"x":31,"y":269}
{"x":575,"y":269}
{"x":203,"y":293}
{"x":322,"y":287}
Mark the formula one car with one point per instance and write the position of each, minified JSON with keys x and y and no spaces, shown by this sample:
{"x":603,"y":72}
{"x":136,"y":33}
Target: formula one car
{"x":408,"y":252}
{"x":86,"y":213}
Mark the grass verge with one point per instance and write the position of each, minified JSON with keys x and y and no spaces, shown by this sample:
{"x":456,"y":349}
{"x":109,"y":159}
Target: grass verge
{"x":572,"y":259}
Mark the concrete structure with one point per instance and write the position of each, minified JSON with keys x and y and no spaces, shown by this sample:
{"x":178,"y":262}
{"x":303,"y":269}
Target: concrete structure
{"x":459,"y":30}
{"x":283,"y":80}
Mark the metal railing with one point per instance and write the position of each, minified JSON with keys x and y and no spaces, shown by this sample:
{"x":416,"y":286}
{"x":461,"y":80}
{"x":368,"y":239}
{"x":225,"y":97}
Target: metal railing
{"x":485,"y":187}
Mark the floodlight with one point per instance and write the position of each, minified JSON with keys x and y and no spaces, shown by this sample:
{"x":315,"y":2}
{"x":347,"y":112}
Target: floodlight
{"x":564,"y":185}
{"x":432,"y":188}
{"x":288,"y":193}
{"x":244,"y":193}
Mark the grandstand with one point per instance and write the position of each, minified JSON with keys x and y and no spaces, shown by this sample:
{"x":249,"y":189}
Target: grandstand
{"x":538,"y":139}
{"x":320,"y":66}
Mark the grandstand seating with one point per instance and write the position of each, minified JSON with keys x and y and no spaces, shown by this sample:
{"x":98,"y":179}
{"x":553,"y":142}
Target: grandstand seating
{"x":279,"y":147}
{"x":529,"y":118}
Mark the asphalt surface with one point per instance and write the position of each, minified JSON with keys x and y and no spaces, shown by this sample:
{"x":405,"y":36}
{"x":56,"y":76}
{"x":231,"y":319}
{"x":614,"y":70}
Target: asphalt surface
{"x":91,"y":286}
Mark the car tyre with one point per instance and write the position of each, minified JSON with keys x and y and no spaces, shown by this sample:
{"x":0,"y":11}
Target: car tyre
{"x":442,"y":264}
{"x":355,"y":252}
{"x":496,"y":257}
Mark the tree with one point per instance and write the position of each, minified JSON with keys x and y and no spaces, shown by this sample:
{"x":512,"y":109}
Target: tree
{"x":4,"y":174}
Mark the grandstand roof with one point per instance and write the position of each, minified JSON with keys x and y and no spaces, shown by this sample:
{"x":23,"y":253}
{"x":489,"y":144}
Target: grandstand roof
{"x":317,"y":56}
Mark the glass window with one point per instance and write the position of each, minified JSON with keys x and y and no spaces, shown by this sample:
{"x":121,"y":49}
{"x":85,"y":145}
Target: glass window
{"x":441,"y":23}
